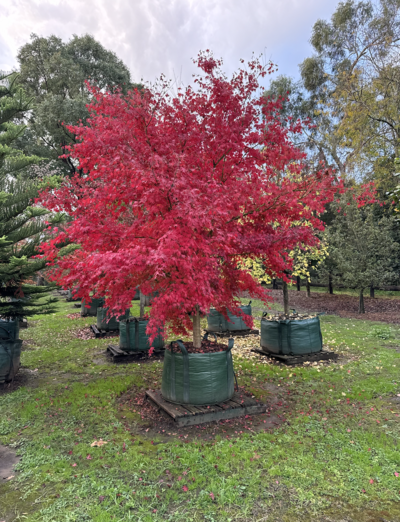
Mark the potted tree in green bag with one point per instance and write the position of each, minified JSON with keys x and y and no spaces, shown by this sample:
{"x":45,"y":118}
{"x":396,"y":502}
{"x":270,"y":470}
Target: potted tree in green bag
{"x":178,"y":190}
{"x":22,"y":225}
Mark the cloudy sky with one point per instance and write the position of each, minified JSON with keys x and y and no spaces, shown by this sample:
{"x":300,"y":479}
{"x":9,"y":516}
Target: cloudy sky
{"x":161,"y":36}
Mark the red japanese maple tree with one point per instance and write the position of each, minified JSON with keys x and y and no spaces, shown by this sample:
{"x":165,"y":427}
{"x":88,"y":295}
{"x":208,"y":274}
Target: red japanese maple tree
{"x":177,"y":189}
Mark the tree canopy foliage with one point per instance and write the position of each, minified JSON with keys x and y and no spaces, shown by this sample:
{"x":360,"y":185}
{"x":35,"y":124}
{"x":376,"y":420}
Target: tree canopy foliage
{"x":178,"y":189}
{"x":54,"y":74}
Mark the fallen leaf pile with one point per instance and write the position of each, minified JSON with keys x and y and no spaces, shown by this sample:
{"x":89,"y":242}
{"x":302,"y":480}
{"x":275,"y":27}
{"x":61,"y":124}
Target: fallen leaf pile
{"x":77,"y":315}
{"x":87,"y":333}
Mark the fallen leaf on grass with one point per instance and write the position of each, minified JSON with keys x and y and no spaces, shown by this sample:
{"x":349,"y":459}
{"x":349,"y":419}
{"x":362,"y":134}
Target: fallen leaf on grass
{"x":98,"y":443}
{"x":185,"y":488}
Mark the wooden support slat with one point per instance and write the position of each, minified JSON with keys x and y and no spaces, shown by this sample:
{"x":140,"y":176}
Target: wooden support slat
{"x":193,"y":410}
{"x":116,"y":350}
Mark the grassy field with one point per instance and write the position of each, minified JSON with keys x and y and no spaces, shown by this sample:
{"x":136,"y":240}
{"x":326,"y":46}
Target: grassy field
{"x":335,"y":455}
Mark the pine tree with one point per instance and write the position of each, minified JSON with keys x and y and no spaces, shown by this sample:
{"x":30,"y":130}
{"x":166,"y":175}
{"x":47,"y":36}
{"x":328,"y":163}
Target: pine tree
{"x":21,"y":223}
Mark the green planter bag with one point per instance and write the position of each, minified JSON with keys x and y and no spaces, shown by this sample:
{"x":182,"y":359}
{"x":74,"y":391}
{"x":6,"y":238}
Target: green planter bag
{"x":133,"y":336}
{"x":9,"y":329}
{"x":71,"y":295}
{"x":94,"y":305}
{"x":216,"y":322}
{"x":109,"y":323}
{"x":288,"y":337}
{"x":10,"y":354}
{"x":198,"y":378}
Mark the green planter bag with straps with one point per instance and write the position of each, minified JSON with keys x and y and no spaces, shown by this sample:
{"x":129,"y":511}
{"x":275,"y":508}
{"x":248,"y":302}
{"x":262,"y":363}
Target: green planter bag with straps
{"x":9,"y":329}
{"x":95,"y":303}
{"x":288,"y":337}
{"x":216,"y":322}
{"x":10,"y":354}
{"x":107,"y":323}
{"x":198,"y":378}
{"x":133,"y":336}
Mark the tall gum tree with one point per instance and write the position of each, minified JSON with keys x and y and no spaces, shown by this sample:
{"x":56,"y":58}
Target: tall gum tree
{"x":178,"y":189}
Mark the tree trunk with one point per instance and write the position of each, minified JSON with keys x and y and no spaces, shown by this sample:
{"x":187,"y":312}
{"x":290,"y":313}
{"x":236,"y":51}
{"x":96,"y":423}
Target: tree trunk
{"x":196,"y":329}
{"x":330,"y":286}
{"x":372,"y":291}
{"x":298,"y":283}
{"x":308,"y":287}
{"x":285,"y":298}
{"x":142,"y":304}
{"x":361,"y":308}
{"x":274,"y":285}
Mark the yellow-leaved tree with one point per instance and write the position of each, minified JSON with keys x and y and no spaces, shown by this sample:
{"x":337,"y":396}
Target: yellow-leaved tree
{"x":304,"y":259}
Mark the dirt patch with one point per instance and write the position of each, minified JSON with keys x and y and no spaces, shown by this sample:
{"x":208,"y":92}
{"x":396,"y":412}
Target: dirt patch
{"x":392,"y":347}
{"x":376,"y":309}
{"x":24,"y":377}
{"x":8,"y":459}
{"x":140,"y":417}
{"x":28,"y":344}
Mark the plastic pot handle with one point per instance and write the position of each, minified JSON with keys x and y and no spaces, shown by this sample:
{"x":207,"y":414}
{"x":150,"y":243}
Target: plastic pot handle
{"x":181,"y":346}
{"x":205,"y":336}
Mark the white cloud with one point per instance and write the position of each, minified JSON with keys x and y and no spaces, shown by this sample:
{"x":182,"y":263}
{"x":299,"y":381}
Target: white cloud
{"x":161,"y":36}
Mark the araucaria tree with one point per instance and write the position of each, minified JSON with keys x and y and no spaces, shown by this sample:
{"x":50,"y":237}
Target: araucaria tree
{"x":21,"y":223}
{"x":178,"y":189}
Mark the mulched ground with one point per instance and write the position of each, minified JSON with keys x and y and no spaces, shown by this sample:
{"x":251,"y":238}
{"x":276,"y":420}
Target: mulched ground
{"x":206,"y":347}
{"x":376,"y":309}
{"x":155,"y":423}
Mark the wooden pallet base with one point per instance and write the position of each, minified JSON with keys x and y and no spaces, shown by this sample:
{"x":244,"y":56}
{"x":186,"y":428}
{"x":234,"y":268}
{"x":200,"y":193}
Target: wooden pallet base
{"x":299,"y":359}
{"x":100,"y":333}
{"x":190,"y":415}
{"x":118,"y":354}
{"x":236,"y":333}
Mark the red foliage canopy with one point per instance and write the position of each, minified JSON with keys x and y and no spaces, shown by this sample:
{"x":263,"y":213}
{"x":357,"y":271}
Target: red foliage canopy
{"x":177,"y":188}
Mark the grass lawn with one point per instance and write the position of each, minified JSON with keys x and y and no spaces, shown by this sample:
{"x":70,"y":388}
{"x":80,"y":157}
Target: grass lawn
{"x":333,"y":456}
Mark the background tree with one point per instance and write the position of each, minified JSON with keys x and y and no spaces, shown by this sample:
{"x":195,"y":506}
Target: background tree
{"x":362,"y":248}
{"x":54,"y":74}
{"x":21,"y":223}
{"x":179,"y":190}
{"x":354,"y":77}
{"x":318,"y":138}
